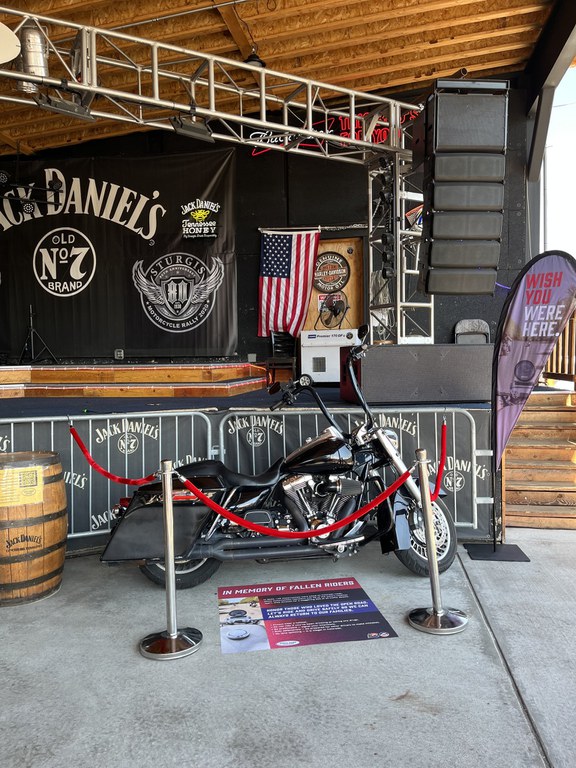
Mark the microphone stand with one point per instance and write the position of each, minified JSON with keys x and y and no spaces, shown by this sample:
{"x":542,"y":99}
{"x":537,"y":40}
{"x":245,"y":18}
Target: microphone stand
{"x":31,"y":337}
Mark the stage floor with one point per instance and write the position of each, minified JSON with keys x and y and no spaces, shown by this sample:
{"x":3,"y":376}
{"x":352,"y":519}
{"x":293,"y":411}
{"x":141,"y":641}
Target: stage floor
{"x":38,"y":407}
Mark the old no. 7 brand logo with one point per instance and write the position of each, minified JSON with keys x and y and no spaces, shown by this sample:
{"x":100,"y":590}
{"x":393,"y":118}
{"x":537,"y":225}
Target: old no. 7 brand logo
{"x":64,"y":262}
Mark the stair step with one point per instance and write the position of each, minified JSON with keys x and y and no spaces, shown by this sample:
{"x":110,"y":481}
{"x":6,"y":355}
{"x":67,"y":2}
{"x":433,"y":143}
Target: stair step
{"x":556,"y":471}
{"x":539,"y":451}
{"x":214,"y":389}
{"x":547,"y":416}
{"x":549,"y":485}
{"x":529,"y":516}
{"x":127,"y":374}
{"x":550,"y":399}
{"x":542,"y":430}
{"x":541,"y":496}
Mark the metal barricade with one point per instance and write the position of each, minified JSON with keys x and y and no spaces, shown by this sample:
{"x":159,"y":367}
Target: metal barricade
{"x":128,"y":445}
{"x":250,"y":441}
{"x":132,"y":445}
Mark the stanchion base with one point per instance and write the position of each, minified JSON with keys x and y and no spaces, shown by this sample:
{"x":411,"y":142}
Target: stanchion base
{"x":449,"y":621}
{"x":160,"y":645}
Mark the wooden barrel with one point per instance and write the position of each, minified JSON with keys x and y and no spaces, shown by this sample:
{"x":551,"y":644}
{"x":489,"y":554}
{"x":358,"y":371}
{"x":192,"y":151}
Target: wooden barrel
{"x":33,"y":526}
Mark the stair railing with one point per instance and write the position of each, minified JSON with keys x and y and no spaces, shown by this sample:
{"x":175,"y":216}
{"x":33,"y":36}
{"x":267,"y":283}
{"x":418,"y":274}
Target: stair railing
{"x":562,"y":361}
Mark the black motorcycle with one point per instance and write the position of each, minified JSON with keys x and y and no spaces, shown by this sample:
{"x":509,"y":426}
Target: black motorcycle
{"x":325,"y":481}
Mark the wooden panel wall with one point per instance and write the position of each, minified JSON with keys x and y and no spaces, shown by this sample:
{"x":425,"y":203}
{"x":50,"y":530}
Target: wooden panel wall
{"x":350,"y":249}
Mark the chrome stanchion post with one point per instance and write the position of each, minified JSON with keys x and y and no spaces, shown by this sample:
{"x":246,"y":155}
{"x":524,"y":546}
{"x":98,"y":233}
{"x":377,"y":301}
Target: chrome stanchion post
{"x":174,"y":642}
{"x":435,"y":620}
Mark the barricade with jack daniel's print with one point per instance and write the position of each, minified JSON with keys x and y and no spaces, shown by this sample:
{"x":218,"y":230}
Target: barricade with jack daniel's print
{"x":133,"y":445}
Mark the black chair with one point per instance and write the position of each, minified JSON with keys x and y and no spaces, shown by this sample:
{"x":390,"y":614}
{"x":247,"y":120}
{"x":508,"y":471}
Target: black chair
{"x":472,"y":332}
{"x":283,"y":355}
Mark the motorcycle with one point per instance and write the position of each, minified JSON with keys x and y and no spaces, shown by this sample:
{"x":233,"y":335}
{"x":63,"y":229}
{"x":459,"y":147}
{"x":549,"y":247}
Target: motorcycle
{"x":324,"y":481}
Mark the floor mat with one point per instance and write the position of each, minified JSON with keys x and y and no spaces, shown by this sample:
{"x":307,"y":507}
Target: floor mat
{"x":510,"y":553}
{"x":287,"y":614}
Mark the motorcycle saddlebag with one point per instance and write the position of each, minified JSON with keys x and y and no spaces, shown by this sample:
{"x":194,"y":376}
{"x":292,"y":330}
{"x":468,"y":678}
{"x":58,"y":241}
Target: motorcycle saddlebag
{"x":139,"y":535}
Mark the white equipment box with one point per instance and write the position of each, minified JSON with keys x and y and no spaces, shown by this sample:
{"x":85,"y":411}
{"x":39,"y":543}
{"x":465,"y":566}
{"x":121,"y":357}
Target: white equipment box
{"x":320,"y":352}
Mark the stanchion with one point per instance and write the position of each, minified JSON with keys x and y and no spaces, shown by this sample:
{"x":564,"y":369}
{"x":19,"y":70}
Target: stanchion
{"x":173,"y":643}
{"x":435,"y":620}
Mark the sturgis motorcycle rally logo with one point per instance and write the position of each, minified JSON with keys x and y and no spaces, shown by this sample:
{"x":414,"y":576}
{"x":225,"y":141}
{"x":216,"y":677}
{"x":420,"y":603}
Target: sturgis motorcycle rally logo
{"x":178,"y":290}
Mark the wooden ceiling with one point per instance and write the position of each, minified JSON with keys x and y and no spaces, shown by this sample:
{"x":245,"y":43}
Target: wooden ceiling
{"x":373,"y":46}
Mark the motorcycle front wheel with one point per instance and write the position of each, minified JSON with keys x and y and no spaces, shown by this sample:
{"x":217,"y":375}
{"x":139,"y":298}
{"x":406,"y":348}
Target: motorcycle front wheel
{"x":415,"y":558}
{"x":188,"y":573}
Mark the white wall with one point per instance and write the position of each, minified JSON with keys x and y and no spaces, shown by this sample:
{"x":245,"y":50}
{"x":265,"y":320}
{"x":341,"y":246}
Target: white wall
{"x":559,"y":173}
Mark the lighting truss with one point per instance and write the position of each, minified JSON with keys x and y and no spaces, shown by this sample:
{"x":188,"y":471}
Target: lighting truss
{"x":139,"y":81}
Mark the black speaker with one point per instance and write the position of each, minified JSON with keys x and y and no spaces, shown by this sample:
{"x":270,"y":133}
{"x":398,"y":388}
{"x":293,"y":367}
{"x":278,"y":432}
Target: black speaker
{"x":464,"y":141}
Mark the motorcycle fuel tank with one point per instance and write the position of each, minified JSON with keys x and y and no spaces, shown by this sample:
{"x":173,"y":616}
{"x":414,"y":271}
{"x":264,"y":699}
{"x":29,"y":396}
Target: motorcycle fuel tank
{"x":329,"y":452}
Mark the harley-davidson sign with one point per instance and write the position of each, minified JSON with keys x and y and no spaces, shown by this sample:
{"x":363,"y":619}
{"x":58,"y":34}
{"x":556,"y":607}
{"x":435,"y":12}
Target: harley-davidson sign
{"x":331,"y":272}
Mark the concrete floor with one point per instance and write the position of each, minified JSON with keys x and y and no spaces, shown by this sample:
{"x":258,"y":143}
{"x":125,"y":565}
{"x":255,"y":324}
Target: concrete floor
{"x":501,"y":694}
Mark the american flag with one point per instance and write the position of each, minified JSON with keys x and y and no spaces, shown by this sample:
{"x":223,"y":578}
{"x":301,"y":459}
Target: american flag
{"x":286,"y":273}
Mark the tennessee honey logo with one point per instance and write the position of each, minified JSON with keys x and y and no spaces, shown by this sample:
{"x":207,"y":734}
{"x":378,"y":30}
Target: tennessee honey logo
{"x":199,"y":218}
{"x":178,"y":290}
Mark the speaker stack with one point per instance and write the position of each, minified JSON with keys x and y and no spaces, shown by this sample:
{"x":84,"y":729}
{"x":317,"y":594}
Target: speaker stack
{"x":461,"y":141}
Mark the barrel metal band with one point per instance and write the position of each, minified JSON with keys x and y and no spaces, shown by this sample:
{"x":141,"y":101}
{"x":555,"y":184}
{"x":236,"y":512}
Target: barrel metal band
{"x":33,"y":555}
{"x":33,"y":582}
{"x":27,"y":521}
{"x":53,"y":478}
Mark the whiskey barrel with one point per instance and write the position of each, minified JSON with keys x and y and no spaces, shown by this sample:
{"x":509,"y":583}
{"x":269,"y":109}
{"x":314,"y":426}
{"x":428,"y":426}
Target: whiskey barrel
{"x":33,"y":526}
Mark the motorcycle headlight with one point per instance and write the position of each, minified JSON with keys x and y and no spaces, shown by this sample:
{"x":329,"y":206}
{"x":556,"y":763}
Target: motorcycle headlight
{"x":393,"y":437}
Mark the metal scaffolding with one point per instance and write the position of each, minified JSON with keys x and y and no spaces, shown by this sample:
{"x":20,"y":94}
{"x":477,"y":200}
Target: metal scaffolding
{"x":95,"y":74}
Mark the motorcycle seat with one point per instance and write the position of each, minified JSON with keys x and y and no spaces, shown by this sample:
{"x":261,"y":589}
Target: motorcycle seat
{"x":229,"y":478}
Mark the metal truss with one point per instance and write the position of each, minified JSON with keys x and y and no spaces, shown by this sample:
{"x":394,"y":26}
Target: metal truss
{"x":399,"y":312}
{"x":144,"y":82}
{"x":92,"y":74}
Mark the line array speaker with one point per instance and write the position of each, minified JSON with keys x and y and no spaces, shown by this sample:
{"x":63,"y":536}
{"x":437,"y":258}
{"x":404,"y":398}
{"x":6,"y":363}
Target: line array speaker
{"x":462,"y":143}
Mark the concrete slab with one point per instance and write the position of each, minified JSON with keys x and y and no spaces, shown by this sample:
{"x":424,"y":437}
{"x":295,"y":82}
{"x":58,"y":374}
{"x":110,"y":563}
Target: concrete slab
{"x":531,"y":610}
{"x":76,"y":691}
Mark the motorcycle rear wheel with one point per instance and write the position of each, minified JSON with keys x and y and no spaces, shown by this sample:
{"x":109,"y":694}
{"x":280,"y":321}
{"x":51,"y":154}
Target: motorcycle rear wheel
{"x":415,"y":558}
{"x":188,"y":574}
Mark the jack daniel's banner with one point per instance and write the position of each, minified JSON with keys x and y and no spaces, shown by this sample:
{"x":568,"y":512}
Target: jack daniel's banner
{"x":120,"y":253}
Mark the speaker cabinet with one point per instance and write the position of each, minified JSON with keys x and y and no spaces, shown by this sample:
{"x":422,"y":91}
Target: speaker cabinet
{"x":464,"y":141}
{"x":439,"y":373}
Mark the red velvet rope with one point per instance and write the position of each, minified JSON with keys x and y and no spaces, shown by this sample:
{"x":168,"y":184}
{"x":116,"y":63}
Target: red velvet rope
{"x":262,"y":528}
{"x":101,"y":470}
{"x":441,"y":463}
{"x":293,"y":534}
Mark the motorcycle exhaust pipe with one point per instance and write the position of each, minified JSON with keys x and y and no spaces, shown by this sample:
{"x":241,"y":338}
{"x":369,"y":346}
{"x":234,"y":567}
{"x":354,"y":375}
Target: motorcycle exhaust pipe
{"x":239,"y":553}
{"x":251,"y":543}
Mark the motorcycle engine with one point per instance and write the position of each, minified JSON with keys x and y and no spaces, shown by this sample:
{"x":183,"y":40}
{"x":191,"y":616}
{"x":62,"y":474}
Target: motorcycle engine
{"x":317,"y":501}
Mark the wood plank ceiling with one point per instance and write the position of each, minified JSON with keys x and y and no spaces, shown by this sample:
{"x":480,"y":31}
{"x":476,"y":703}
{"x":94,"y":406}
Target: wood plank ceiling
{"x":374,"y":46}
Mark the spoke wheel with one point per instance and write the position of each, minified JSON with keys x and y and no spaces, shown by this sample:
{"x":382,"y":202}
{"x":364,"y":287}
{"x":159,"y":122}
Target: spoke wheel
{"x":415,"y":558}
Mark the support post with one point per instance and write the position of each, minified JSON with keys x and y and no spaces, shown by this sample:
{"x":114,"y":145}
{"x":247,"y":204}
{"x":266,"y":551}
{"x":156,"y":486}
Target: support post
{"x":173,"y":643}
{"x":436,"y":620}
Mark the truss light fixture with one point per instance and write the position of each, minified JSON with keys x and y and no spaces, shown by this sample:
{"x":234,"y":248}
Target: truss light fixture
{"x":63,"y":106}
{"x":255,"y":60}
{"x":33,"y":58}
{"x":190,"y":126}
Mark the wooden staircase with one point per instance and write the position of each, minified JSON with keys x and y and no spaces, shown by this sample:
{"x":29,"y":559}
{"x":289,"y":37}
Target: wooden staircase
{"x":539,"y":468}
{"x":207,"y":380}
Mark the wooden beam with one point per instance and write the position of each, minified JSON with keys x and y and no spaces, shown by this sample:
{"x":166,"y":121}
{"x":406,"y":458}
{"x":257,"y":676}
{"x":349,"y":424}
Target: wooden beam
{"x":19,"y":146}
